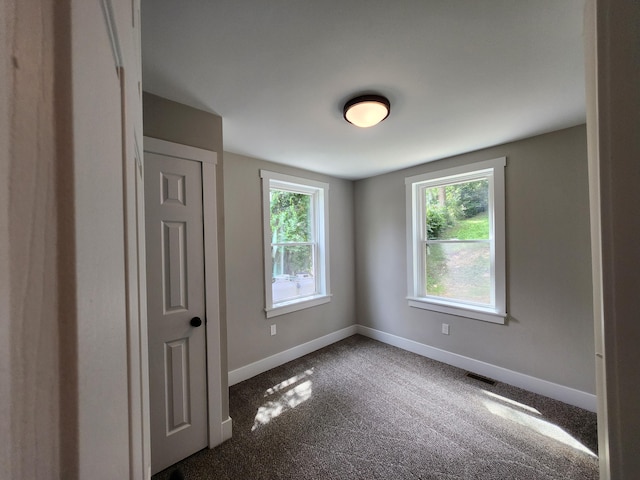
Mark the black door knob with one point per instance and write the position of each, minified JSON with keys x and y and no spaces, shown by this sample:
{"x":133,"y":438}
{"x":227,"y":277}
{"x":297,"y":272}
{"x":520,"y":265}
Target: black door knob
{"x":195,"y":322}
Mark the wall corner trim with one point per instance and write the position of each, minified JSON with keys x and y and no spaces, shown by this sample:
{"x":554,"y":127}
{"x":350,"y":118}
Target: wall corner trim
{"x":562,"y":393}
{"x":244,"y":373}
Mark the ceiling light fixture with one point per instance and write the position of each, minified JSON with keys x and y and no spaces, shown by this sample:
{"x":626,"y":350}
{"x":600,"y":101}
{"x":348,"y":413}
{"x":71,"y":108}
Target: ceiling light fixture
{"x":366,"y":110}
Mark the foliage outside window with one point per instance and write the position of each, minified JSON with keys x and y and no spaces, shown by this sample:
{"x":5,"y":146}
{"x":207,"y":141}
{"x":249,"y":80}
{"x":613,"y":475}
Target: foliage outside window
{"x":455,"y":240}
{"x":296,"y":253}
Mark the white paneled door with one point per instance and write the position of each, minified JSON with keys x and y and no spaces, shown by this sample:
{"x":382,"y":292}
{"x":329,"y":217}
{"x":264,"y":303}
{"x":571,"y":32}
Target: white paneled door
{"x":176,"y":308}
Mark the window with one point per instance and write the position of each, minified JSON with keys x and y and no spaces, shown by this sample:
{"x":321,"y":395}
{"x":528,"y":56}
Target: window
{"x":296,"y":250}
{"x":455,"y":241}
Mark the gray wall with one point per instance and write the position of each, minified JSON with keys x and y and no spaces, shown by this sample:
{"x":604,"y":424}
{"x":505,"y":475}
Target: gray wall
{"x":175,"y":122}
{"x":249,"y":336}
{"x":549,"y":334}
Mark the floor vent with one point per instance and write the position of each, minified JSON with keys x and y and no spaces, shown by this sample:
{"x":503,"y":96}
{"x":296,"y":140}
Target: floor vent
{"x":481,"y":378}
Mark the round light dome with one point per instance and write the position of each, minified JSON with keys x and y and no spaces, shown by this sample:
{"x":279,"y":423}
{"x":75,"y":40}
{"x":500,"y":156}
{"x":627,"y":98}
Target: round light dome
{"x":367,"y":110}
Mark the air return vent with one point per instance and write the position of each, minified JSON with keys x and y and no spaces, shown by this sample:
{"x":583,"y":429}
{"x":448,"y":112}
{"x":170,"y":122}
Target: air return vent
{"x":480,"y":378}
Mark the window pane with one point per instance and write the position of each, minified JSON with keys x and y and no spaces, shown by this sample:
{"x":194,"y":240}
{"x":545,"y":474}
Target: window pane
{"x":458,"y":211}
{"x":293,"y":272}
{"x":459,"y":271}
{"x":290,"y":216}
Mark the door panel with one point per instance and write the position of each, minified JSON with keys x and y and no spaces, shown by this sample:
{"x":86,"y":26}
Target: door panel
{"x":175,"y":295}
{"x":175,"y":263}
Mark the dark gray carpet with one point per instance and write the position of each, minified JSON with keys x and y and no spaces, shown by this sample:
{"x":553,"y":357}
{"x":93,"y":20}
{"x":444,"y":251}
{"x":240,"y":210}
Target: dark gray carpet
{"x":360,"y":409}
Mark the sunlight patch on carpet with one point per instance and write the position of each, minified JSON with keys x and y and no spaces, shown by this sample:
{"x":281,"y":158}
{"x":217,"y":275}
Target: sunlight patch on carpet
{"x":292,"y":396}
{"x":536,"y":424}
{"x":512,"y":402}
{"x":288,"y":382}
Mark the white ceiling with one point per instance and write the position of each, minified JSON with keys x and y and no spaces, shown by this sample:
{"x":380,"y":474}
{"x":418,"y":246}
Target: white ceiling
{"x":460,"y":74}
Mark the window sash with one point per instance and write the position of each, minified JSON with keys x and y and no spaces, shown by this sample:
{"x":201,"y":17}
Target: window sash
{"x":313,"y":223}
{"x":305,"y":293}
{"x":314,"y":269}
{"x":422,"y":287}
{"x":420,"y":205}
{"x":313,"y":201}
{"x":423,"y":292}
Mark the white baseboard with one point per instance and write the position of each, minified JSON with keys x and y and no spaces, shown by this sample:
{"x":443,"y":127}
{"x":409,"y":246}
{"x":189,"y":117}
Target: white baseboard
{"x":564,"y":394}
{"x":243,"y":373}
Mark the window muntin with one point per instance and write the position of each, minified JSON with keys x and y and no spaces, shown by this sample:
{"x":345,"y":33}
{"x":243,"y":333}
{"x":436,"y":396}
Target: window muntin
{"x":296,"y":251}
{"x":455,"y":241}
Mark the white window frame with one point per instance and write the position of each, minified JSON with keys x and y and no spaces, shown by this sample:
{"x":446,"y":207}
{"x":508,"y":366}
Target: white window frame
{"x":319,"y":192}
{"x":493,"y":170}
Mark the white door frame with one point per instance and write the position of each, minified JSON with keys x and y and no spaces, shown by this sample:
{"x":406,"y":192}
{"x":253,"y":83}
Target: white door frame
{"x":219,"y":430}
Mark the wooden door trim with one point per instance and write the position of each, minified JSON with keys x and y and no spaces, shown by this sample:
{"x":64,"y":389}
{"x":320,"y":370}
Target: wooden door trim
{"x":212,"y":303}
{"x":178,"y":150}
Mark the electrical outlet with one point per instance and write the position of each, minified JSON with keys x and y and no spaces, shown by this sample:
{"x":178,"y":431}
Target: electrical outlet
{"x":445,"y":328}
{"x":273,"y":329}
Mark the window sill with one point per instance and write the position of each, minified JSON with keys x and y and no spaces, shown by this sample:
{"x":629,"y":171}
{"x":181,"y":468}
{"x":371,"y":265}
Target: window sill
{"x":295,"y":305}
{"x":468,"y":311}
